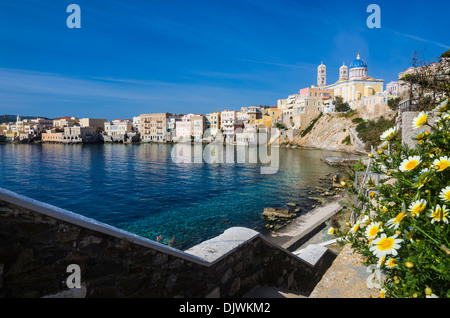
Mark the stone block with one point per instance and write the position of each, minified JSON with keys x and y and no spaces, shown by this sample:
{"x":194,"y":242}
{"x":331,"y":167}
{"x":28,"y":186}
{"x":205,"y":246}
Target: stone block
{"x":312,"y":253}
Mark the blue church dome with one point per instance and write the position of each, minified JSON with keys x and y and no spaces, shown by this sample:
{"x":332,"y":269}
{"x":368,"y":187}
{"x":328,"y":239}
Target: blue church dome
{"x":358,"y":63}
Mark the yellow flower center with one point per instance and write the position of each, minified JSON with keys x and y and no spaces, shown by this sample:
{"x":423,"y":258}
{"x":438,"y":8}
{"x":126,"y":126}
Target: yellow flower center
{"x":399,"y":217}
{"x":373,"y":231}
{"x":443,"y":165}
{"x":418,"y":208}
{"x":437,"y":214}
{"x":386,"y":244}
{"x":392,"y":262}
{"x":447,"y":195}
{"x":421,"y":121}
{"x":411,"y":165}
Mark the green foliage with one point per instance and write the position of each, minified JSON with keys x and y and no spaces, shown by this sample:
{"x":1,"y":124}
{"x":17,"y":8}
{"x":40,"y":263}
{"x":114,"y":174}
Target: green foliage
{"x":403,"y":229}
{"x":347,"y":140}
{"x":357,"y":120}
{"x":311,"y":125}
{"x":370,"y":131}
{"x":359,"y":166}
{"x":393,"y":103}
{"x":339,"y":105}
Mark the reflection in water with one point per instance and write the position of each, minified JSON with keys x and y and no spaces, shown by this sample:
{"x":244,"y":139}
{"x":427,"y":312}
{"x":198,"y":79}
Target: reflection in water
{"x":140,"y":189}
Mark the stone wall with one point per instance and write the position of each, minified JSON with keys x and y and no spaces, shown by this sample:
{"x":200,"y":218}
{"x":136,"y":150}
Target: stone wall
{"x":38,"y":242}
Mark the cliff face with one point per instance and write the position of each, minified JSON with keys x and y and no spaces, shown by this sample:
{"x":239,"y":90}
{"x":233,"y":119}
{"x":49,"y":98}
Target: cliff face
{"x":328,"y":133}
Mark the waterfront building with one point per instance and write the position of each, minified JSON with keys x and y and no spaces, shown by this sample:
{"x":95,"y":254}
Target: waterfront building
{"x":34,"y":127}
{"x":65,"y":122}
{"x":183,"y":128}
{"x":3,"y":128}
{"x":269,"y":118}
{"x":230,"y":124}
{"x":154,"y":127}
{"x":97,"y":124}
{"x":78,"y":134}
{"x":172,"y":126}
{"x":198,"y":126}
{"x":118,"y":127}
{"x":354,"y":82}
{"x":52,"y":135}
{"x":213,"y":123}
{"x":136,"y":123}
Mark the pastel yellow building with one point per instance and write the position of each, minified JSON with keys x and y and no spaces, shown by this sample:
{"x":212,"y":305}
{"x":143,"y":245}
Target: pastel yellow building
{"x":268,"y":117}
{"x":354,"y":82}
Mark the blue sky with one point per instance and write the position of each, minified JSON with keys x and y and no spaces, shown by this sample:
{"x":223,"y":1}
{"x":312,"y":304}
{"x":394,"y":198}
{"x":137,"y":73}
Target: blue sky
{"x":182,"y":56}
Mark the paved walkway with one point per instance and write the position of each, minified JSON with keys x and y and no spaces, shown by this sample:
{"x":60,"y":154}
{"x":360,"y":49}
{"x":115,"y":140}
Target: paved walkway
{"x":346,"y":278}
{"x":301,"y":229}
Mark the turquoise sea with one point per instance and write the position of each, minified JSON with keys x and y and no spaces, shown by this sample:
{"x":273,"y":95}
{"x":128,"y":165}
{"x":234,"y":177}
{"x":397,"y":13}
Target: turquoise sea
{"x":140,"y":189}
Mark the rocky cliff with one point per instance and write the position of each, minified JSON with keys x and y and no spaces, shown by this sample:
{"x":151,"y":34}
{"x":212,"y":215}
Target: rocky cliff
{"x":329,"y":133}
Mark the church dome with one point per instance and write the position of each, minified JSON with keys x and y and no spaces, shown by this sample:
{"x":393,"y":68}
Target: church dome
{"x":358,"y":63}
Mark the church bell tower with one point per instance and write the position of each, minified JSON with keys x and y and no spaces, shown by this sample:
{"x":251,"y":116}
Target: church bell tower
{"x":321,"y":75}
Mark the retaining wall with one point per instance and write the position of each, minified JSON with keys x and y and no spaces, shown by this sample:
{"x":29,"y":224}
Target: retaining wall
{"x":39,"y":241}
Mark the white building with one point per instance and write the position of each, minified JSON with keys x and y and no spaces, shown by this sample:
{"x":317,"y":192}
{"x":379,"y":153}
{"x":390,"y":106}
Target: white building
{"x":393,"y":88}
{"x":118,"y":127}
{"x":137,"y":123}
{"x":183,"y":129}
{"x":230,"y":124}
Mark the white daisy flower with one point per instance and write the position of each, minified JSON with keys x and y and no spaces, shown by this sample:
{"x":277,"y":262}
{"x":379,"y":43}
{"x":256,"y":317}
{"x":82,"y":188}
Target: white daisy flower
{"x":441,"y":163}
{"x":384,"y":145}
{"x":385,"y":245}
{"x":355,"y":227}
{"x":395,"y":222}
{"x":392,"y":263}
{"x":442,"y":106}
{"x":445,"y":194}
{"x":419,"y":120}
{"x":372,"y":230}
{"x":438,"y":214}
{"x":410,"y":163}
{"x":389,"y":134}
{"x":420,"y":134}
{"x":417,"y":207}
{"x":365,"y":221}
{"x":381,"y":261}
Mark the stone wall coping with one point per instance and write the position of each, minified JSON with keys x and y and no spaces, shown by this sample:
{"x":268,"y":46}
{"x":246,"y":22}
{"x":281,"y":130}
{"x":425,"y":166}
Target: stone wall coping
{"x":94,"y":225}
{"x":214,"y":249}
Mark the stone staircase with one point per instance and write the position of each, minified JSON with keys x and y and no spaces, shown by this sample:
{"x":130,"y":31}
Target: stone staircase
{"x":346,"y":278}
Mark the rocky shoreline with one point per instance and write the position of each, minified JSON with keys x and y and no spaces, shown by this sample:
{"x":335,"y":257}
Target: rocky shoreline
{"x":277,"y":218}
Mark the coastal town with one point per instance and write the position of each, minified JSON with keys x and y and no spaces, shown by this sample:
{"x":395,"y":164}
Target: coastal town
{"x":355,"y":90}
